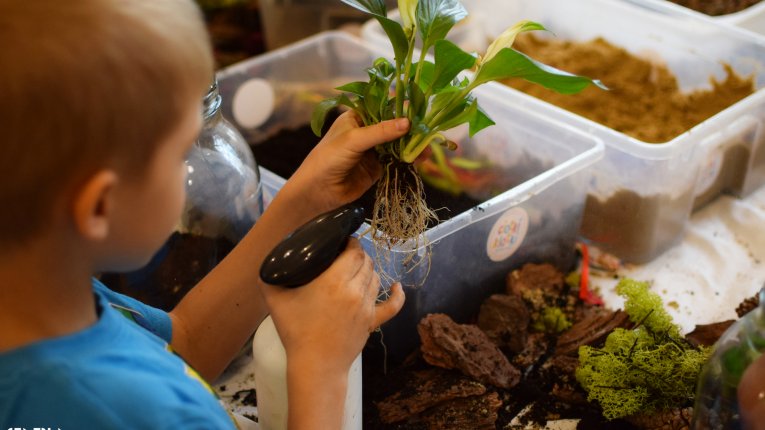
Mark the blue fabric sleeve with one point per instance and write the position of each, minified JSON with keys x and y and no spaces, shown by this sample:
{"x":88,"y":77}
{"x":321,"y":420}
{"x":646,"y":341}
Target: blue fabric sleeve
{"x":152,"y":319}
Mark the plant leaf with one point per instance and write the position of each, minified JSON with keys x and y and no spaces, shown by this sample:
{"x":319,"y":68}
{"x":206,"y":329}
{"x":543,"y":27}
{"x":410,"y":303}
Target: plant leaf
{"x":460,"y":115}
{"x":408,"y":11}
{"x":373,"y":7}
{"x":436,"y":17}
{"x":443,"y":98}
{"x":507,"y":38}
{"x":479,"y":121}
{"x":358,"y":88}
{"x":426,"y":74}
{"x":381,"y":69}
{"x":397,"y":37}
{"x":320,"y":114}
{"x":417,"y":102}
{"x":509,"y":63}
{"x":450,"y":61}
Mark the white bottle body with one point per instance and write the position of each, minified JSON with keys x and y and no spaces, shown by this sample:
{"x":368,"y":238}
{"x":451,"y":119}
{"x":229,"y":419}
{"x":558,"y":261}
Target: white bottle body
{"x":271,"y":382}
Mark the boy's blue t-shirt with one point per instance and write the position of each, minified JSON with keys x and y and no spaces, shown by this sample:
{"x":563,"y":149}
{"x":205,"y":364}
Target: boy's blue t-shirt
{"x":119,"y":373}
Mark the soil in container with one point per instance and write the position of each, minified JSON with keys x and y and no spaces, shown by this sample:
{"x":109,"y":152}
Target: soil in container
{"x":731,"y":173}
{"x":634,"y":227}
{"x":716,"y":7}
{"x":178,"y":266}
{"x":644,"y":102}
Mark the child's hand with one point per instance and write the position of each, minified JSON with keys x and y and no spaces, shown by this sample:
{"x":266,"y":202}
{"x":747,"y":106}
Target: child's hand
{"x":342,"y":166}
{"x":329,"y":320}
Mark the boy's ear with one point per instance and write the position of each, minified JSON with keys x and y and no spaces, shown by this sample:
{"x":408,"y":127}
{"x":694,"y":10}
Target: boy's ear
{"x":93,"y":205}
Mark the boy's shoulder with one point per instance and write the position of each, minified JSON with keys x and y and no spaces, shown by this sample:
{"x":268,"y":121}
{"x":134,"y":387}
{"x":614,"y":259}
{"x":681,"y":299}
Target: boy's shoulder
{"x":111,"y":375}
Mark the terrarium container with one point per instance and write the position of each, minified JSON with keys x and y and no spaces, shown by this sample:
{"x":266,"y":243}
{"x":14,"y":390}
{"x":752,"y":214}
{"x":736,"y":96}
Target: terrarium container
{"x":751,"y":18}
{"x":223,"y":201}
{"x":731,"y":385}
{"x":534,"y":220}
{"x":287,"y":21}
{"x":641,"y":194}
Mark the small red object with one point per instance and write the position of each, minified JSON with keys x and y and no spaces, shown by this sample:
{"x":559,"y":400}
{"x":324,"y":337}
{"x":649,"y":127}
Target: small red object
{"x":585,"y":294}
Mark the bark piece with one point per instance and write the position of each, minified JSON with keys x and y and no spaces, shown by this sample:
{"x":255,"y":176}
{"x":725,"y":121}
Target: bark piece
{"x":477,"y":412}
{"x":465,"y":347}
{"x":425,"y":389}
{"x":592,"y":329}
{"x":707,"y":334}
{"x":505,"y":319}
{"x":671,"y":419}
{"x":536,"y":346}
{"x":534,"y":276}
{"x":748,"y":305}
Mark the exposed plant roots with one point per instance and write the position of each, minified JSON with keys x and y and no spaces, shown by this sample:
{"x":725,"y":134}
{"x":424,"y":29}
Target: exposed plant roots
{"x":400,"y":217}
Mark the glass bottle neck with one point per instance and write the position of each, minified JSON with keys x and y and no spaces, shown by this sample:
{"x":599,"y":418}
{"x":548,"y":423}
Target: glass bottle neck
{"x":211,"y":102}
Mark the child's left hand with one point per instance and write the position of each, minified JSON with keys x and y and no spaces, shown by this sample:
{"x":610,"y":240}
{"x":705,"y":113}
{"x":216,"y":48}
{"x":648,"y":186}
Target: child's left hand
{"x":342,"y":167}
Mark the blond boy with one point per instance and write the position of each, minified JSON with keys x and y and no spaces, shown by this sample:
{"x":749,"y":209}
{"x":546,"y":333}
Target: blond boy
{"x":99,"y":103}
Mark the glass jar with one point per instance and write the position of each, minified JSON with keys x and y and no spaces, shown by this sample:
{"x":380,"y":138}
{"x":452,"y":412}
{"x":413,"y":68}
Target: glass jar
{"x":731,"y":388}
{"x":223,"y":201}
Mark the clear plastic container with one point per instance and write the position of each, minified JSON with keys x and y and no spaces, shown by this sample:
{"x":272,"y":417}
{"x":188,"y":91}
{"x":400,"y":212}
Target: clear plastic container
{"x":641,"y":195}
{"x":731,"y":386}
{"x":751,"y":18}
{"x":287,"y":21}
{"x":535,"y":220}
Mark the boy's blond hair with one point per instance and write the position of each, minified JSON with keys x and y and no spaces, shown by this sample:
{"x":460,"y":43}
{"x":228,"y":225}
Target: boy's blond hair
{"x":88,"y":84}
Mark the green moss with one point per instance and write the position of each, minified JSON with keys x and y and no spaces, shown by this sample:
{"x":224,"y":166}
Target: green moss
{"x":650,"y":367}
{"x":646,"y":308}
{"x":552,"y":320}
{"x":573,"y":279}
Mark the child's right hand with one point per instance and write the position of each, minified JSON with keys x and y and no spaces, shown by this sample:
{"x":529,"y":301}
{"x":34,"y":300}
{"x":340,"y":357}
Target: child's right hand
{"x":330,"y":318}
{"x":323,"y":326}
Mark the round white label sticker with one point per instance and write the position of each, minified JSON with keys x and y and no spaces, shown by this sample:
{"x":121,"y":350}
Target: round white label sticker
{"x":253,"y":103}
{"x":507,"y":234}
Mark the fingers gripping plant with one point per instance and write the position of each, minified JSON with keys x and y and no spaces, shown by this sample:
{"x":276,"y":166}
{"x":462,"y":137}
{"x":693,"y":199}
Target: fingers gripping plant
{"x":432,"y":95}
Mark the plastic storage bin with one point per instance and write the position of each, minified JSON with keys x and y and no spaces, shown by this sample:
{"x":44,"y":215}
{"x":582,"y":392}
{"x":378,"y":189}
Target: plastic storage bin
{"x":535,"y":221}
{"x":642,"y":194}
{"x":286,"y":21}
{"x":751,"y":18}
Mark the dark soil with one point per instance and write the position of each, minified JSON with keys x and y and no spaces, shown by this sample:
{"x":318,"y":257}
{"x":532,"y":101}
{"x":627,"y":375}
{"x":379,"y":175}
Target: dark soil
{"x":730,"y":178}
{"x":634,"y":227}
{"x":178,"y":266}
{"x":716,"y":7}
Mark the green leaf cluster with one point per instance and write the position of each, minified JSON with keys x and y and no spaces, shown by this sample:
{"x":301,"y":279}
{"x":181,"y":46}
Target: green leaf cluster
{"x":432,"y":94}
{"x":650,"y":367}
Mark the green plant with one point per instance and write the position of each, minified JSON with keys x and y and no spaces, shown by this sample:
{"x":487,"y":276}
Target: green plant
{"x":432,"y":94}
{"x":650,"y":367}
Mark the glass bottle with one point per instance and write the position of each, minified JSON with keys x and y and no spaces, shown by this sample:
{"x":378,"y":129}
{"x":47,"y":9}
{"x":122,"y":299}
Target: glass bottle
{"x":223,"y":201}
{"x":731,"y":388}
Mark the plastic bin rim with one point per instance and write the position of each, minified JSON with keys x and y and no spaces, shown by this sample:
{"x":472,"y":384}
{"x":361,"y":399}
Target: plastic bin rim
{"x":622,"y":142}
{"x":241,"y":66}
{"x":734,"y":17}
